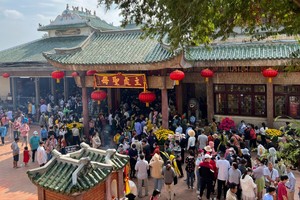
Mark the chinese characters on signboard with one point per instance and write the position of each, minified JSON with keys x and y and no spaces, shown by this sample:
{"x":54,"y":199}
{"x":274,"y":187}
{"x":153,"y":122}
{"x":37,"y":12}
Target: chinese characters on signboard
{"x":120,"y":80}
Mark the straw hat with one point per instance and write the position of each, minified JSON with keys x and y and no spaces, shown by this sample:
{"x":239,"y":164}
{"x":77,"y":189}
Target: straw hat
{"x":191,"y":133}
{"x":208,"y":149}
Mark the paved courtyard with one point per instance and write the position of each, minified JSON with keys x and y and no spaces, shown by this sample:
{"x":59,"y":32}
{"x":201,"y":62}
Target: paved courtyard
{"x":14,"y":183}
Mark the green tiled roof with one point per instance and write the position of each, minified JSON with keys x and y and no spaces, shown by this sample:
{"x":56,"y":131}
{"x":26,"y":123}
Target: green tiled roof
{"x":32,"y":52}
{"x":118,"y":47}
{"x":56,"y":175}
{"x":254,"y":51}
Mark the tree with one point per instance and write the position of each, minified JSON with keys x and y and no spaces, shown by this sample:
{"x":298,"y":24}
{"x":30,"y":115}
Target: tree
{"x":194,"y":22}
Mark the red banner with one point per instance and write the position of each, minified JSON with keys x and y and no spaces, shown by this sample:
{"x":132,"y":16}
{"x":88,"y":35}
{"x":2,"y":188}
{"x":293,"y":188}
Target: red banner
{"x":120,"y":81}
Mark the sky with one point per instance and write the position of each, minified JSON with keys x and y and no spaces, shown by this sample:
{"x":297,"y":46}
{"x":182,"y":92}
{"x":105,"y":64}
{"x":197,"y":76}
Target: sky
{"x":19,"y":19}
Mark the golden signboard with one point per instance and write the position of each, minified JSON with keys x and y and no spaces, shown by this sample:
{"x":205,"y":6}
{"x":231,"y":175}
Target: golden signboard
{"x":120,"y":80}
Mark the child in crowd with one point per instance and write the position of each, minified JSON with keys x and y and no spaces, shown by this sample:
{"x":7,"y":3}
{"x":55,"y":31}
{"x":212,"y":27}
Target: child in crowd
{"x":26,"y":156}
{"x":271,"y":193}
{"x":155,"y":195}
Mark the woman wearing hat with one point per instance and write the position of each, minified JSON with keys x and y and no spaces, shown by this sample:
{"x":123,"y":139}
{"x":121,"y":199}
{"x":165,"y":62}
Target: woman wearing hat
{"x":207,"y":176}
{"x":191,"y":140}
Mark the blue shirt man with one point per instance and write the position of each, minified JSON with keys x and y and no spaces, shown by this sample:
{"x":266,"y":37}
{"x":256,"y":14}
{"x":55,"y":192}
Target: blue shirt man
{"x":34,"y":143}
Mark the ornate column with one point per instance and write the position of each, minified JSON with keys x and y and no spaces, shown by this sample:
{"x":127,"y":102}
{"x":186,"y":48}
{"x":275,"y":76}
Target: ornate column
{"x":37,"y":96}
{"x":178,"y":90}
{"x":164,"y":102}
{"x":118,"y":96}
{"x":108,"y":187}
{"x":66,"y":88}
{"x":210,"y":99}
{"x":120,"y":184}
{"x":109,"y":99}
{"x":84,"y":105}
{"x":270,"y":103}
{"x":52,"y":85}
{"x":14,"y":92}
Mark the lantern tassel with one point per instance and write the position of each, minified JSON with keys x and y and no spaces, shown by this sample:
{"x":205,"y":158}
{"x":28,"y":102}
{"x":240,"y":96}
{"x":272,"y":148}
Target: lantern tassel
{"x":206,"y":79}
{"x":176,"y":82}
{"x":58,"y":80}
{"x":99,"y":102}
{"x":147,"y":104}
{"x":270,"y":80}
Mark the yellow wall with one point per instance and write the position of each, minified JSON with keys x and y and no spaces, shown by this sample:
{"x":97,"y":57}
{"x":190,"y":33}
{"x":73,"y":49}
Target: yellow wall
{"x":4,"y":87}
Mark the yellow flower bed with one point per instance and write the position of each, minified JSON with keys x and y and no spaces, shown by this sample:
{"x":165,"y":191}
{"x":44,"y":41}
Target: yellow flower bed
{"x":273,"y":133}
{"x":162,"y":134}
{"x":78,"y":125}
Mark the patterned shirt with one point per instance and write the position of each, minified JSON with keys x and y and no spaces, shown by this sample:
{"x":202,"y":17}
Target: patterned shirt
{"x":190,"y":164}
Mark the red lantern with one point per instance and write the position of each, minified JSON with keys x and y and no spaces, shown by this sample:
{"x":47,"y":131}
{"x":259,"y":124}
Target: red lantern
{"x":98,"y":95}
{"x":270,"y":73}
{"x":74,"y":74}
{"x":147,"y":97}
{"x":57,"y":75}
{"x":5,"y":75}
{"x":91,"y":72}
{"x":177,"y":76}
{"x":207,"y":73}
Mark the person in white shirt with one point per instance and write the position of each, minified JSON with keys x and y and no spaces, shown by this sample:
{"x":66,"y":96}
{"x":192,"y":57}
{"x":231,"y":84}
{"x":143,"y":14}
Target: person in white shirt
{"x":41,"y":155}
{"x":223,"y":166}
{"x":262,"y":132}
{"x":291,"y":184}
{"x":141,"y":168}
{"x":248,"y":186}
{"x":271,"y":175}
{"x":43,"y":108}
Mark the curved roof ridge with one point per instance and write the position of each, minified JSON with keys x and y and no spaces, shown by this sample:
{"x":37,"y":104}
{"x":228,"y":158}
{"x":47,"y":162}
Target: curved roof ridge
{"x":234,"y":44}
{"x":119,"y":31}
{"x":72,"y":49}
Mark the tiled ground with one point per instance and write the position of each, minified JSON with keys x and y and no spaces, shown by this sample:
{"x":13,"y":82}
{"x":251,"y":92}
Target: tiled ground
{"x":14,"y":183}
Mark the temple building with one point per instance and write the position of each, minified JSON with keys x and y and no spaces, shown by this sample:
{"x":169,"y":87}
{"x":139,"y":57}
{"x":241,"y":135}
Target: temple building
{"x":86,"y":174}
{"x":79,"y":41}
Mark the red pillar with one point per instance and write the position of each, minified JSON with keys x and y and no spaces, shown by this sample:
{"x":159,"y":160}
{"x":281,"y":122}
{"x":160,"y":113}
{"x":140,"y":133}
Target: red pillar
{"x":270,"y":104}
{"x":165,"y":108}
{"x":85,"y":106}
{"x":210,"y":99}
{"x":179,"y":96}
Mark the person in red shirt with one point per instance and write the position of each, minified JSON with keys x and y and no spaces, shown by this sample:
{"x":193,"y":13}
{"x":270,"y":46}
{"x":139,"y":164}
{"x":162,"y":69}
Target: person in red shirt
{"x":282,"y":191}
{"x":26,"y":156}
{"x":252,"y":137}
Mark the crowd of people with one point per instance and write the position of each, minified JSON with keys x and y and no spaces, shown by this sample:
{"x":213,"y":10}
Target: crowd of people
{"x":238,"y":164}
{"x":211,"y":161}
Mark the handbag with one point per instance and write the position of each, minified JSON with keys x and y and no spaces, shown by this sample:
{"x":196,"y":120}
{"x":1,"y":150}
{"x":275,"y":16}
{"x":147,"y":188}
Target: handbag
{"x":175,"y":180}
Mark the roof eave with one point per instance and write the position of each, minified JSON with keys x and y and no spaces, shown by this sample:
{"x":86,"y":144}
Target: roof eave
{"x":172,"y":63}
